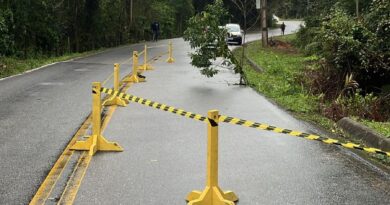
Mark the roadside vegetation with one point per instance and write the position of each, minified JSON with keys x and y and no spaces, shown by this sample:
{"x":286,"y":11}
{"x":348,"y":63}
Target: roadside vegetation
{"x":34,"y":33}
{"x":353,"y":71}
{"x":281,"y":78}
{"x":337,"y":66}
{"x":285,"y":81}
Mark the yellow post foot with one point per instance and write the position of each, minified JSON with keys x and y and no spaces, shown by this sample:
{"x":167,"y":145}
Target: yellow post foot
{"x":96,"y":143}
{"x":145,"y":67}
{"x":212,"y":196}
{"x":148,"y":67}
{"x":115,"y":100}
{"x":134,"y":79}
{"x":170,"y":60}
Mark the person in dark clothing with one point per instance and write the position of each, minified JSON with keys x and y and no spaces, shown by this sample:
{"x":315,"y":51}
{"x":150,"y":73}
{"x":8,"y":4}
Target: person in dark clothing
{"x":155,"y":26}
{"x":283,"y":27}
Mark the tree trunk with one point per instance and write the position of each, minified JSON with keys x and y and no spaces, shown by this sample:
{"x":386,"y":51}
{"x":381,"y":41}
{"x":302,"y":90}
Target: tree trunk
{"x":357,"y":9}
{"x":264,"y":29}
{"x":76,"y":28}
{"x":131,"y":12}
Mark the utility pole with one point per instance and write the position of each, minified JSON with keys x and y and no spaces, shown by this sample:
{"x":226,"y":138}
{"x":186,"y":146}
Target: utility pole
{"x":264,"y":29}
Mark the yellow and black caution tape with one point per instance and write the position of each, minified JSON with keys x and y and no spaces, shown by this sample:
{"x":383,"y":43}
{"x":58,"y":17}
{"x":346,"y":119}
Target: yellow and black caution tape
{"x":159,"y":46}
{"x":141,"y":53}
{"x":153,"y":104}
{"x":127,"y":60}
{"x":158,"y":56}
{"x":246,"y":123}
{"x":260,"y":126}
{"x":112,"y":74}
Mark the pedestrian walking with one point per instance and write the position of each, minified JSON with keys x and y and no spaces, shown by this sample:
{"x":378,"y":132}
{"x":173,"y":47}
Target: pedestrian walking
{"x":283,"y":27}
{"x":155,"y":26}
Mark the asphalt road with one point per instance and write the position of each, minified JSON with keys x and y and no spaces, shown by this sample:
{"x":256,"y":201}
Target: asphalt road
{"x":39,"y":113}
{"x":165,"y":155}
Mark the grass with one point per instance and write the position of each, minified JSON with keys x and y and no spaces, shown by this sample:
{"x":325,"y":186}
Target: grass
{"x":280,"y":80}
{"x":286,"y":38}
{"x":11,"y":65}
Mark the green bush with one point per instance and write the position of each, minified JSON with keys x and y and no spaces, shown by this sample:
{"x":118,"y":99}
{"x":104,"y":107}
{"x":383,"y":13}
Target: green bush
{"x":306,"y":41}
{"x":351,"y":46}
{"x":354,"y":47}
{"x":348,"y":46}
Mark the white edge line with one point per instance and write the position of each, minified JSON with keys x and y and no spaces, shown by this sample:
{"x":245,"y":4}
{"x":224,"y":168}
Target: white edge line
{"x":32,"y":70}
{"x":50,"y":64}
{"x":47,"y":65}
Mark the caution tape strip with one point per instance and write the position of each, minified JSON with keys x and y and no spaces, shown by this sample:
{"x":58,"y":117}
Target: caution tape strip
{"x":159,"y":46}
{"x":155,"y":58}
{"x":260,"y":126}
{"x":153,"y":104}
{"x":141,"y":53}
{"x":127,"y":60}
{"x":241,"y":122}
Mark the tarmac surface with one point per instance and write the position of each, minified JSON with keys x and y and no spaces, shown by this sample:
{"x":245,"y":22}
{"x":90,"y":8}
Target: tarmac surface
{"x":165,"y":154}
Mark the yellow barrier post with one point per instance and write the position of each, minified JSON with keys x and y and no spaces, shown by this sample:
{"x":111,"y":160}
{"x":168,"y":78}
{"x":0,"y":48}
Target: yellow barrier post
{"x":212,"y":194}
{"x":146,"y":66}
{"x":170,"y":55}
{"x":96,"y":142}
{"x":135,"y":77}
{"x":115,"y":100}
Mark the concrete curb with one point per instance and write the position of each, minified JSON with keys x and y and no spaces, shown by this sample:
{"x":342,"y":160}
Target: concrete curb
{"x":254,"y":65}
{"x":361,"y":132}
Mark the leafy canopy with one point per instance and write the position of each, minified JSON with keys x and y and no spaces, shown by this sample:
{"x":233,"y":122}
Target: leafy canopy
{"x":207,"y":37}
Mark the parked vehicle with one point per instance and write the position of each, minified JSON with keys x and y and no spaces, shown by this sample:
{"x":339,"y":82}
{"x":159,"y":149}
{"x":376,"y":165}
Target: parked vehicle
{"x":234,"y":34}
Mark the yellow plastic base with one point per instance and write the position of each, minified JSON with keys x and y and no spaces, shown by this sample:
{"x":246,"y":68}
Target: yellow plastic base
{"x":170,"y":60}
{"x":115,"y":100}
{"x":212,"y":196}
{"x":133,"y":79}
{"x":145,"y":67}
{"x":96,"y":143}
